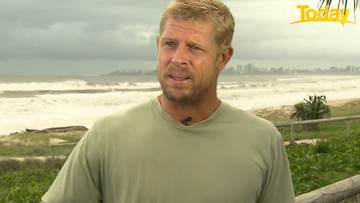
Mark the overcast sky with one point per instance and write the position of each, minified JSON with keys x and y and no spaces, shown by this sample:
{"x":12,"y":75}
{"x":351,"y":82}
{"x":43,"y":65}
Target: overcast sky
{"x":90,"y":37}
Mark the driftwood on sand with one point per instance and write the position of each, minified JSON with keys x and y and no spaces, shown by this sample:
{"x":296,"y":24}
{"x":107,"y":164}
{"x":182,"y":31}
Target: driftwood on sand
{"x":59,"y":129}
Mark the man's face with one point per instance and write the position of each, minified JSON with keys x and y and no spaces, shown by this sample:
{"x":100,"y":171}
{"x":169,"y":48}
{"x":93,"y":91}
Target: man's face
{"x":188,"y":61}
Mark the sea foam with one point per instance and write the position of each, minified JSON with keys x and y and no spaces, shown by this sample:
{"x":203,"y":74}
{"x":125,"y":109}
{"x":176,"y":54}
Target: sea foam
{"x":54,"y":110}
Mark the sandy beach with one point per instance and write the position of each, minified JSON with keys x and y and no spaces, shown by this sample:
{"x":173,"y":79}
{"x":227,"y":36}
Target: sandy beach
{"x":286,"y":109}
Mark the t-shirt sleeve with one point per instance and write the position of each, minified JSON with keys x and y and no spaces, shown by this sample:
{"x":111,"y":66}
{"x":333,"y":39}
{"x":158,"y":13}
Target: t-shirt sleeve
{"x":278,"y":186}
{"x":79,"y":180}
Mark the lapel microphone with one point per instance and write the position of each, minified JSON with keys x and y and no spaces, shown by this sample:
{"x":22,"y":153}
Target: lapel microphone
{"x":186,"y":120}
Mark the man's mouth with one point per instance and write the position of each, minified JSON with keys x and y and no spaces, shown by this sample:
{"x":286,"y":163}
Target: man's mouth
{"x":179,"y":78}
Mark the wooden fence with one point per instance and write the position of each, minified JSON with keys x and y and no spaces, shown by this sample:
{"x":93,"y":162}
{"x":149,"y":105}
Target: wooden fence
{"x":59,"y":145}
{"x":333,"y":193}
{"x":328,"y":120}
{"x":336,"y":192}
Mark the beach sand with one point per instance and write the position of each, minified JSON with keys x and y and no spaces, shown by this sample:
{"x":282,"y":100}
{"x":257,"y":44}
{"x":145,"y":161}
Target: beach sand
{"x":286,"y":110}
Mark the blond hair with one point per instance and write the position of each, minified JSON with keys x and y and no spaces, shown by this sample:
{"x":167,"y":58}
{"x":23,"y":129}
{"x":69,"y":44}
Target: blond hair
{"x":204,"y":11}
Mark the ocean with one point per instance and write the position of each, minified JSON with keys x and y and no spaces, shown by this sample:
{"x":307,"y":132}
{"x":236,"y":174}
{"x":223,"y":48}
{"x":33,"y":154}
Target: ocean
{"x":38,"y":102}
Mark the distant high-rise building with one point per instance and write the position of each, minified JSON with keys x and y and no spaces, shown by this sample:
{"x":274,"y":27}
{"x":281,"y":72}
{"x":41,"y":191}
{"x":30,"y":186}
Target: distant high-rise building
{"x":334,"y":69}
{"x":251,"y":66}
{"x":239,"y":69}
{"x":350,"y":69}
{"x":247,"y":69}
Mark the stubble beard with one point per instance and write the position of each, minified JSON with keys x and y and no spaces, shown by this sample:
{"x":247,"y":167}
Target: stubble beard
{"x":196,"y":93}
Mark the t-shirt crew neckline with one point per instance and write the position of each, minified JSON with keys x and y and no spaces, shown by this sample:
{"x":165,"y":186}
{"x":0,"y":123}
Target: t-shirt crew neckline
{"x":218,"y":113}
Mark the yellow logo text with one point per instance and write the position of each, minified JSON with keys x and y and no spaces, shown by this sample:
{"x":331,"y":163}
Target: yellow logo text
{"x":311,"y":15}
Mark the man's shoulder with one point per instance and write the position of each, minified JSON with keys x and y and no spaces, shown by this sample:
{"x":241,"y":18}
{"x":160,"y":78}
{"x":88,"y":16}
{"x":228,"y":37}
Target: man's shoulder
{"x":252,"y":126}
{"x":134,"y":110}
{"x":133,"y":114}
{"x":242,"y":116}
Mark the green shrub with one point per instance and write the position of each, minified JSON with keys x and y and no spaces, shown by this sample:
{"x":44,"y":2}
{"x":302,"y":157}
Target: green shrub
{"x":311,"y":109}
{"x":27,"y":185}
{"x":322,"y":147}
{"x":327,"y":162}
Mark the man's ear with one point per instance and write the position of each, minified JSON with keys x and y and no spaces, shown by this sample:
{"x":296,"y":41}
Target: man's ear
{"x":157,"y":42}
{"x":225,"y":57}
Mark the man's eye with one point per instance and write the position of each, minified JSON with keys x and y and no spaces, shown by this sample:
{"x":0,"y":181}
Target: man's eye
{"x":169,"y":43}
{"x":195,"y":48}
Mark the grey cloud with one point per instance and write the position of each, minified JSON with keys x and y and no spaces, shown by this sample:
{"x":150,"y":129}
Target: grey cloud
{"x":79,"y":30}
{"x":75,"y":41}
{"x":124,"y":30}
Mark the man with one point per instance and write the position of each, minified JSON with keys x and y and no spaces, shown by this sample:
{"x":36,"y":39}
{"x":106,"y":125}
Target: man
{"x":185,"y":146}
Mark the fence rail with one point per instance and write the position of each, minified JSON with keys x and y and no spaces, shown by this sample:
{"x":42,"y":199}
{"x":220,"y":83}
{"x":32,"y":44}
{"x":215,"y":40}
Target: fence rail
{"x":59,"y":145}
{"x":333,"y":193}
{"x":328,"y":120}
{"x":336,"y":192}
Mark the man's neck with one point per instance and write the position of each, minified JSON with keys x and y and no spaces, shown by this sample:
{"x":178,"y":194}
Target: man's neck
{"x":189,"y":114}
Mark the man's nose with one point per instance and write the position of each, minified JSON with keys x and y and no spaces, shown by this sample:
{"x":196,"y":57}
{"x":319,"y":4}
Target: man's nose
{"x":180,"y":57}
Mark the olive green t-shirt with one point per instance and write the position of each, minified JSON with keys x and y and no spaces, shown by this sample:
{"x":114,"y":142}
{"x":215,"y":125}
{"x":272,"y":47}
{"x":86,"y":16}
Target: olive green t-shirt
{"x":142,"y":155}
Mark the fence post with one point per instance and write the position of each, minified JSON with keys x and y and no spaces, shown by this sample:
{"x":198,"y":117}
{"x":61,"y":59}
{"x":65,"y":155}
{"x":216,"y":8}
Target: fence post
{"x":348,"y":127}
{"x":292,"y":133}
{"x":52,"y":152}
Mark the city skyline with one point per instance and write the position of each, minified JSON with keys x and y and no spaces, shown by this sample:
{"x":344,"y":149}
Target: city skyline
{"x":251,"y":69}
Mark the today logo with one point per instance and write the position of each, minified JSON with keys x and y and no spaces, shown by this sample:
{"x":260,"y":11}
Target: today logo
{"x":311,"y":15}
